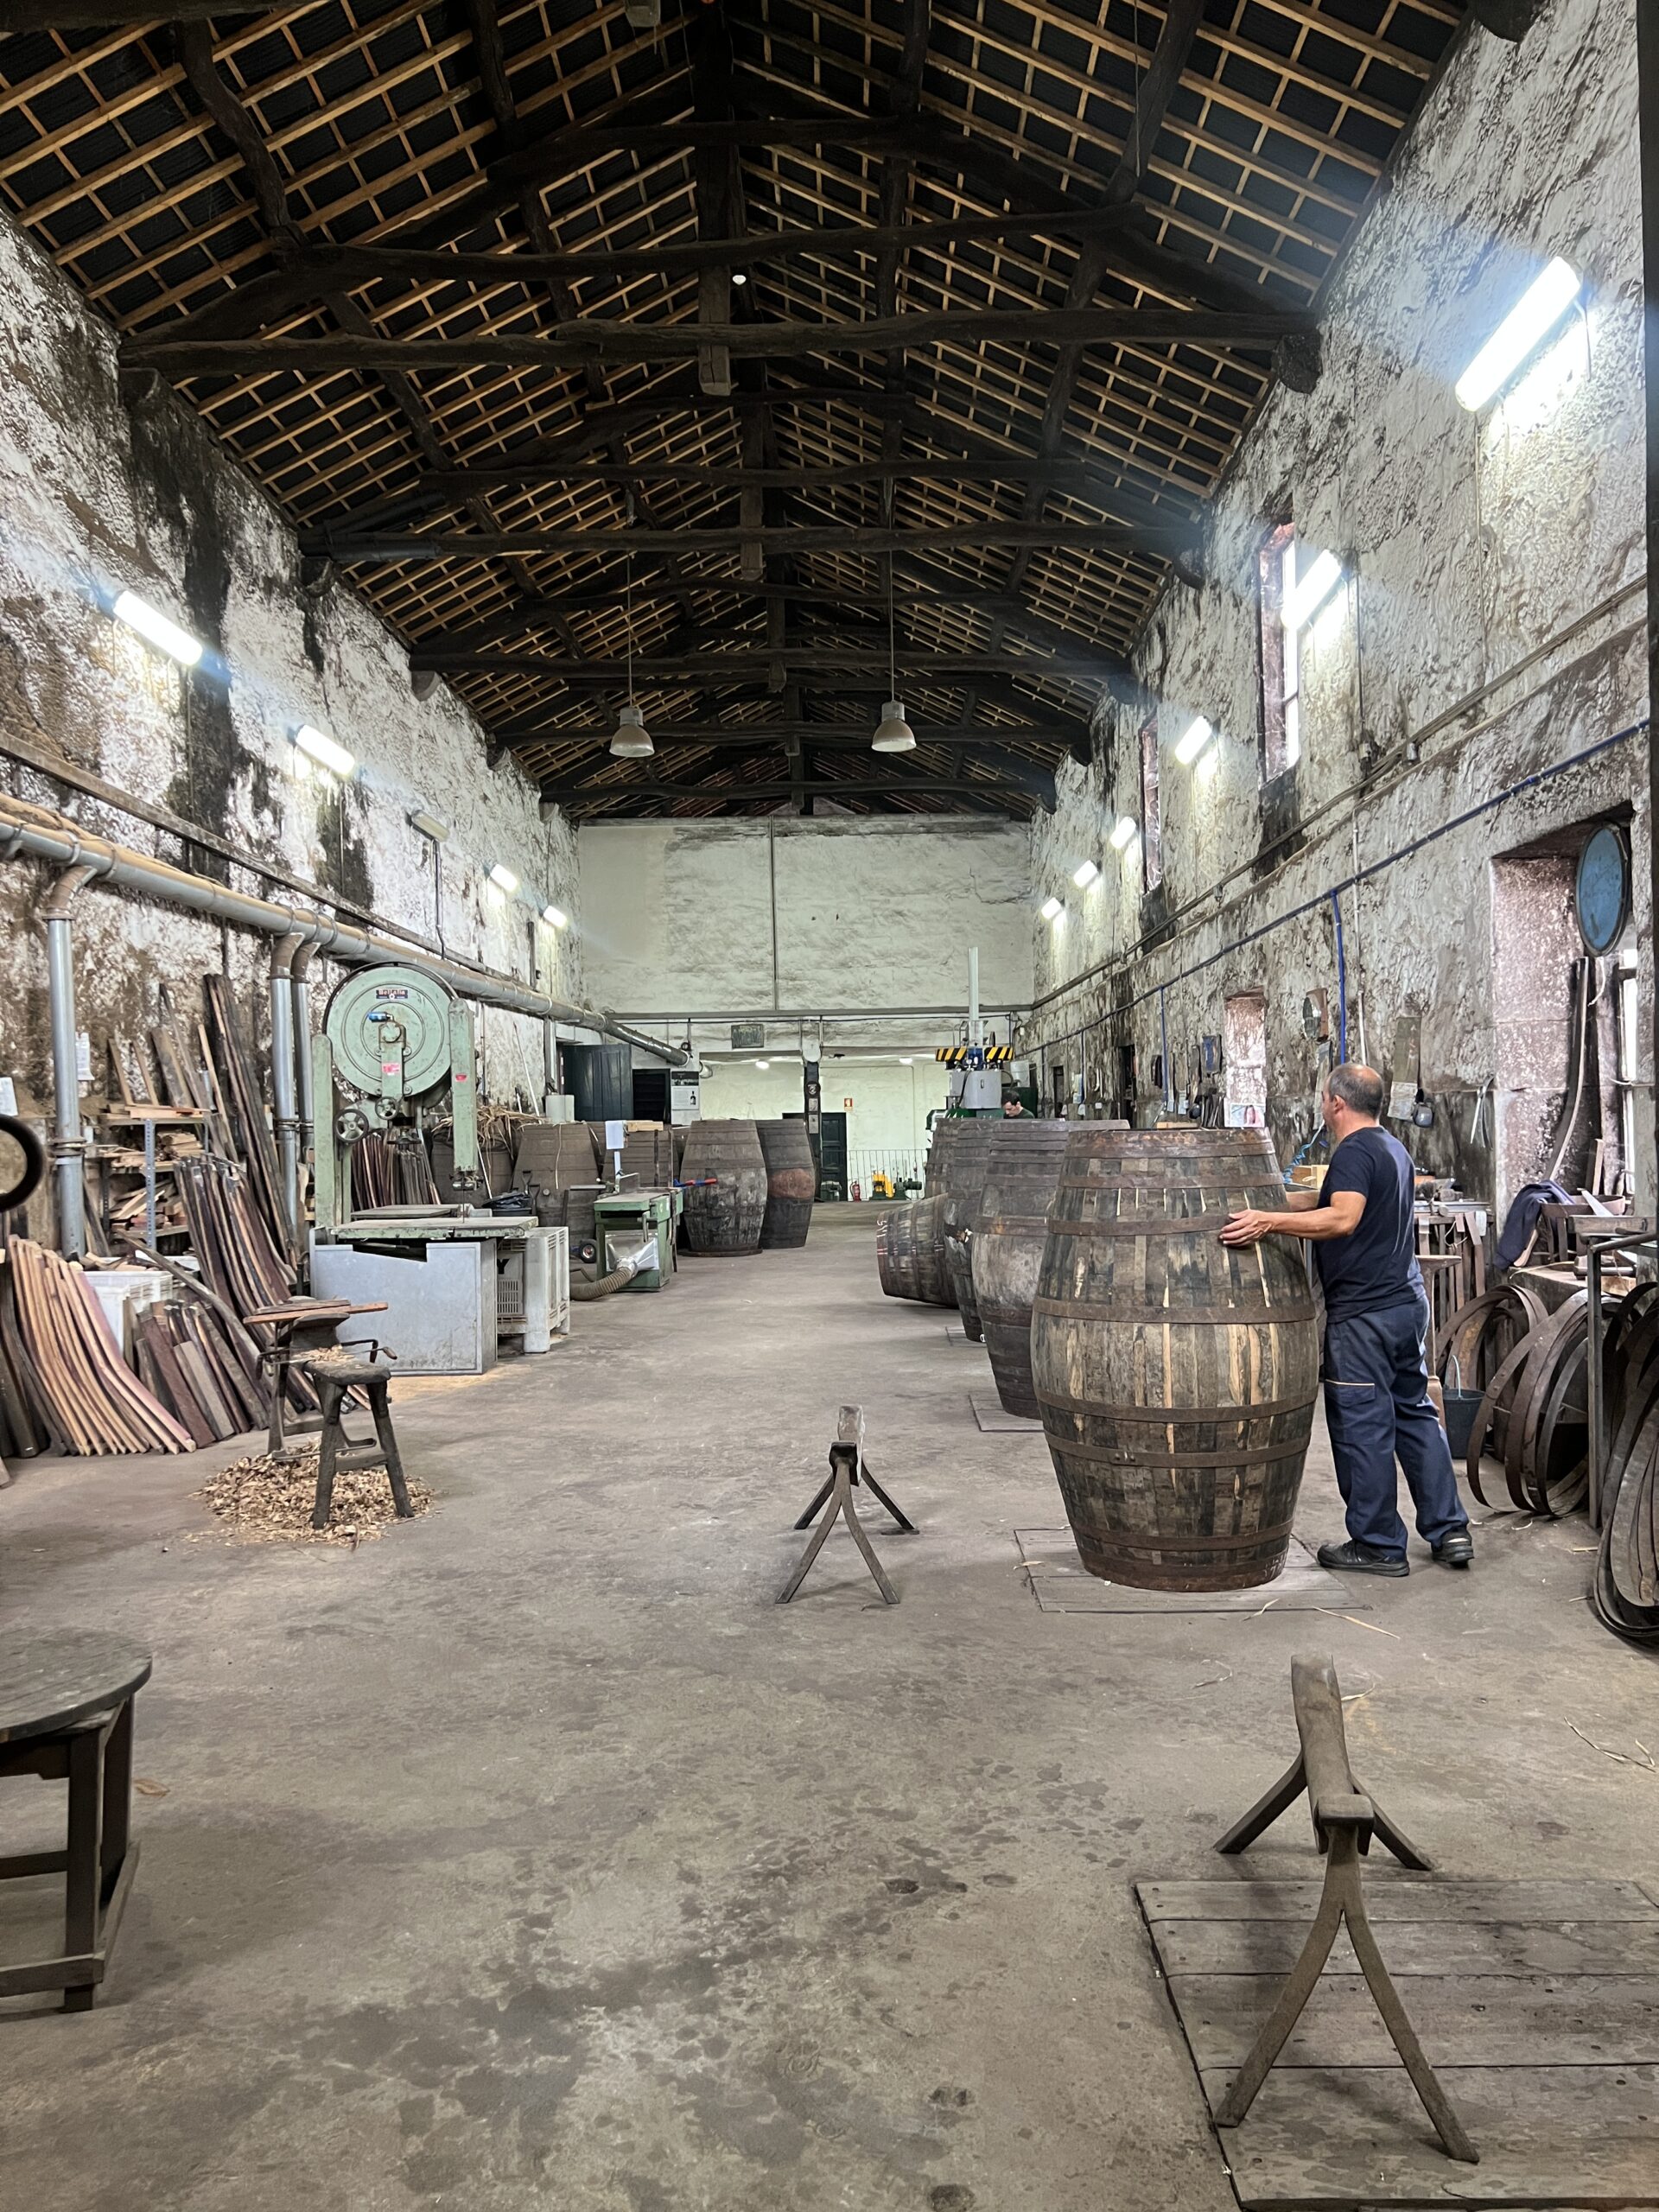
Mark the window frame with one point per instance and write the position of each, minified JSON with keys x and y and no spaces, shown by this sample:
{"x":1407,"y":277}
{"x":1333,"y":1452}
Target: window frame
{"x":1152,"y":822}
{"x":1281,"y":655}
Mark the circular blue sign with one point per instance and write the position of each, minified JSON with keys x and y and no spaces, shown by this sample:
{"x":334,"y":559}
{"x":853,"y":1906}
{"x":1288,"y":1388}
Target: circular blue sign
{"x":1602,"y":892}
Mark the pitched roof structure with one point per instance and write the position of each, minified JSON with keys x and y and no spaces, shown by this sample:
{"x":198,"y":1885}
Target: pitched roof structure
{"x":754,"y":359}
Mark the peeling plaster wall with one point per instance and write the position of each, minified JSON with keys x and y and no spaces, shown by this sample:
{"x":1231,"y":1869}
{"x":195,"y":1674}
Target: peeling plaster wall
{"x":95,"y":499}
{"x":1492,"y":624}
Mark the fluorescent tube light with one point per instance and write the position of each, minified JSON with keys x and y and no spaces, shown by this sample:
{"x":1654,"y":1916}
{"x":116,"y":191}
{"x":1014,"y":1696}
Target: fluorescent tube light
{"x":905,"y":1059}
{"x":1534,"y":317}
{"x":322,"y":746}
{"x":1193,"y":739}
{"x":1311,"y":590}
{"x":1050,"y":909}
{"x":1123,"y":832}
{"x":558,"y":916}
{"x":1085,"y":873}
{"x":504,"y":879}
{"x":138,"y":614}
{"x":430,"y":826}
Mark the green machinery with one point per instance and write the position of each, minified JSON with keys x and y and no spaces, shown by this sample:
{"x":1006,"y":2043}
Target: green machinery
{"x":624,"y":1220}
{"x":394,"y":1043}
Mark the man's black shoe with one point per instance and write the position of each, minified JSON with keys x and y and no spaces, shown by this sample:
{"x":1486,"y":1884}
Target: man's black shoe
{"x":1362,"y":1559}
{"x":1456,"y":1550}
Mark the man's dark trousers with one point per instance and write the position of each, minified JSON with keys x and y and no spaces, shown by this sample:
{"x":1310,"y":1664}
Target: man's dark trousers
{"x":1377,"y":1404}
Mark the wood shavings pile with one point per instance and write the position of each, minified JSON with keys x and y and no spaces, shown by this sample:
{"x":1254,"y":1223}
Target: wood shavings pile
{"x":266,"y":1501}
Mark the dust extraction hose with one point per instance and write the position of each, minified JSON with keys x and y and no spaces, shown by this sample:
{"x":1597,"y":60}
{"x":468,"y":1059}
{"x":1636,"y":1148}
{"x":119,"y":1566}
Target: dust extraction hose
{"x":620,"y":1276}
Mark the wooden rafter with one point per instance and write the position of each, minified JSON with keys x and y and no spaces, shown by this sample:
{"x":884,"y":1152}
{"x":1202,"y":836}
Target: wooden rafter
{"x":471,"y":251}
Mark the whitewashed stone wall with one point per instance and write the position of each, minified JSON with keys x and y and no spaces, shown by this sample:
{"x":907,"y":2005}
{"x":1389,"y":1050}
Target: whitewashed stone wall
{"x":794,"y":918}
{"x":93,"y":498}
{"x":1490,"y":630}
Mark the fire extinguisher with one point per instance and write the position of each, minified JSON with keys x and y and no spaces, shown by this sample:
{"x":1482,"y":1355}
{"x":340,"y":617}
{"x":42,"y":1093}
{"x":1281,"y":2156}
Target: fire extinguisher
{"x":858,"y":1193}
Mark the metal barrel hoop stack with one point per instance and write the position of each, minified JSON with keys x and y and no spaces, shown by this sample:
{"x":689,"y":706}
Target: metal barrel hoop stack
{"x":1176,"y":1375}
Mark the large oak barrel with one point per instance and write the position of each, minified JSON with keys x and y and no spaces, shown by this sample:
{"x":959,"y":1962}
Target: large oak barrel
{"x":909,"y":1252}
{"x":723,"y":1216}
{"x":962,"y":1180}
{"x":792,"y":1184}
{"x":1021,"y":1170}
{"x":1175,"y":1375}
{"x":938,"y":1152}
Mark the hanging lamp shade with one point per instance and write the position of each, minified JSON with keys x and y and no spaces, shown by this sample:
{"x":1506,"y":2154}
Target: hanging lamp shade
{"x":892,"y":733}
{"x":633,"y":739}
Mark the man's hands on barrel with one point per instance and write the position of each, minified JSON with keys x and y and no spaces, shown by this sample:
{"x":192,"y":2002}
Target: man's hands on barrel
{"x":1248,"y":1228}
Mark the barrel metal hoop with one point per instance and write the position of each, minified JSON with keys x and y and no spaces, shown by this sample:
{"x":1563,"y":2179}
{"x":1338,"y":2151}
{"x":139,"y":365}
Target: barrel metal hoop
{"x":1137,"y":1224}
{"x":1245,"y":1539}
{"x":1264,"y":1409}
{"x":1255,"y":1317}
{"x":1258,"y":1455}
{"x":1006,"y":1225}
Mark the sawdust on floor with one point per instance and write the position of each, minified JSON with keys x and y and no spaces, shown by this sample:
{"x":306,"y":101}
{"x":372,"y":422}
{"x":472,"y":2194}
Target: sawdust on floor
{"x":260,"y":1500}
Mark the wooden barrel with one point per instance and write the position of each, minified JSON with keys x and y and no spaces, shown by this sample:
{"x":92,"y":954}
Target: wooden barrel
{"x":938,"y":1152}
{"x":1021,"y":1170}
{"x":1175,"y":1375}
{"x":909,"y":1252}
{"x":792,"y":1184}
{"x":961,"y":1183}
{"x":648,"y":1156}
{"x":724,"y":1217}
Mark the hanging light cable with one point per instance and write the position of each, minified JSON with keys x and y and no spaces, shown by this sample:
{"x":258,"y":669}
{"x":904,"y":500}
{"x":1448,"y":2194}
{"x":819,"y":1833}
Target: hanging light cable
{"x":633,"y":739}
{"x":892,"y":733}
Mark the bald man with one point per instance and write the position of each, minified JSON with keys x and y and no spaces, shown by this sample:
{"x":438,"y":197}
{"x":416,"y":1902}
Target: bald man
{"x":1377,"y":1316}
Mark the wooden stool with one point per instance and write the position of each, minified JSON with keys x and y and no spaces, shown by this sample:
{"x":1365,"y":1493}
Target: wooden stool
{"x":331,"y":1380}
{"x":65,"y":1715}
{"x":301,"y":1327}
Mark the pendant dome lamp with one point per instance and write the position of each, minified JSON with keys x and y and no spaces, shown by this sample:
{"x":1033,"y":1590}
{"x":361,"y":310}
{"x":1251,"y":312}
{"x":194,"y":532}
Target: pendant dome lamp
{"x":633,"y":739}
{"x":892,"y":733}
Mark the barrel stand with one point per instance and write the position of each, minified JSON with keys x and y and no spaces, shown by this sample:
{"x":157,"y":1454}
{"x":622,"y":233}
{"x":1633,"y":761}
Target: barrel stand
{"x":848,"y":1468}
{"x":1344,"y":1819}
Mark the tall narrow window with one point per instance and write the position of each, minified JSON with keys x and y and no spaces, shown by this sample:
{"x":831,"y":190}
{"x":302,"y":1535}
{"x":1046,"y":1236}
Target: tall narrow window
{"x":1281,"y":732}
{"x":1151,"y":835}
{"x":1627,"y":1012}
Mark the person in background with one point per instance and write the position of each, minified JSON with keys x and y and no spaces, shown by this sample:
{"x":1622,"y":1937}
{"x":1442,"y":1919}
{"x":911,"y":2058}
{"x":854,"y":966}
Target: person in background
{"x":1377,"y":1316}
{"x":1013,"y":1109}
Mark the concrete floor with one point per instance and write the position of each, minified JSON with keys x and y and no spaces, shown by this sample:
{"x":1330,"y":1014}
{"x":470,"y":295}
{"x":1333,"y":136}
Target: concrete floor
{"x":531,"y":1855}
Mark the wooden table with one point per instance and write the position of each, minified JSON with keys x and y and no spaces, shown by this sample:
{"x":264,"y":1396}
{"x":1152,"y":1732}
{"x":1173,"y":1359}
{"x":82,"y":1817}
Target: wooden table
{"x":65,"y":1715}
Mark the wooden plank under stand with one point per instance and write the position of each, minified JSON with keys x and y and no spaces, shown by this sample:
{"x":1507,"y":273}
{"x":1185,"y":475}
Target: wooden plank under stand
{"x":1527,"y":2013}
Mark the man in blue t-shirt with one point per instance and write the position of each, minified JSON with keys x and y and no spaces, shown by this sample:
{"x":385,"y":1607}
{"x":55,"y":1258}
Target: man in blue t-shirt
{"x":1376,"y":1315}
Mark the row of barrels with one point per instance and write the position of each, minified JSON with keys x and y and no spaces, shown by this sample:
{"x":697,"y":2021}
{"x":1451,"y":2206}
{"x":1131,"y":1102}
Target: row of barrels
{"x":749,"y":1185}
{"x":1174,"y":1376}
